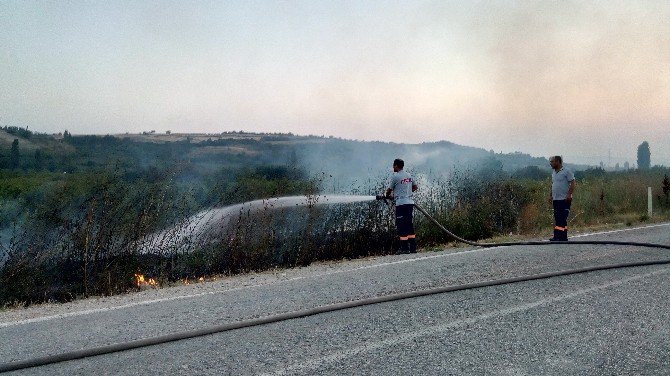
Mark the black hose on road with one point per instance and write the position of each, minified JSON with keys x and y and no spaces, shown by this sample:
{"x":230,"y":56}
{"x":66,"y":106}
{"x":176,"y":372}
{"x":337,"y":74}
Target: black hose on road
{"x":85,"y":353}
{"x":124,"y":346}
{"x":488,"y":245}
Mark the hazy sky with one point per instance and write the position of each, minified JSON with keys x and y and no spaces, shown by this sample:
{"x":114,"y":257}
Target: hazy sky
{"x":581,"y":79}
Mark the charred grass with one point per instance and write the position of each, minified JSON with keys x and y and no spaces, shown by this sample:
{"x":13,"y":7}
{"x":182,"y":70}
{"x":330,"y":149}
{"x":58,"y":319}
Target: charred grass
{"x":99,"y":247}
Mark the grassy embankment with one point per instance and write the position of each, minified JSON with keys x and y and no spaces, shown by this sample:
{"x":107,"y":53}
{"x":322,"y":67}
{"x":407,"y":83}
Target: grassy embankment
{"x":95,"y":253}
{"x":77,"y":234}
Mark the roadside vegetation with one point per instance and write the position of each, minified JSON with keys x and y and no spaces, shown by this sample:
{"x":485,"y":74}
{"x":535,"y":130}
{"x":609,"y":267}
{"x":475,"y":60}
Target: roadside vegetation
{"x":76,"y":211}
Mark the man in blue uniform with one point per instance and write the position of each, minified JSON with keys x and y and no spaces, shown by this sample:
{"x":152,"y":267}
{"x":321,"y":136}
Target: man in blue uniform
{"x":400,"y":187}
{"x":562,"y":187}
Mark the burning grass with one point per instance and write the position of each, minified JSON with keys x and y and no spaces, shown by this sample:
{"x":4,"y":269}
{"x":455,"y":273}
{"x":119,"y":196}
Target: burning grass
{"x":116,"y":241}
{"x":143,"y":282}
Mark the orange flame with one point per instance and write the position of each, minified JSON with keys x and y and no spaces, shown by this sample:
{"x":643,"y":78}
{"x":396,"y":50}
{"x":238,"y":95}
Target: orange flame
{"x":141,"y":281}
{"x":186,"y":281}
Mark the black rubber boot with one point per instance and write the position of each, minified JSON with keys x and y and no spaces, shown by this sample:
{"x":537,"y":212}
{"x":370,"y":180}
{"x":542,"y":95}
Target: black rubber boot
{"x":557,"y":236}
{"x":412,"y":245}
{"x":404,"y":247}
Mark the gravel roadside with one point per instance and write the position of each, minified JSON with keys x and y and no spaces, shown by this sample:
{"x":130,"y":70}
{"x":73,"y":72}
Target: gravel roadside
{"x":38,"y":331}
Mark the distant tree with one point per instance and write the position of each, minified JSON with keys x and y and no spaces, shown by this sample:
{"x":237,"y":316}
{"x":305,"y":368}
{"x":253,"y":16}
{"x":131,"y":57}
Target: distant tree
{"x":14,"y":155}
{"x":51,"y":165}
{"x":666,"y":189}
{"x":39,"y":160}
{"x":18,"y":131}
{"x":590,"y":173}
{"x":490,"y":168}
{"x":67,"y":136}
{"x":643,"y":156}
{"x":626,"y":166}
{"x":531,"y":173}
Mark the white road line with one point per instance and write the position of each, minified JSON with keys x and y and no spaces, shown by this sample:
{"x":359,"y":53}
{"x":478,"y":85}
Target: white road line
{"x":129,"y":305}
{"x":621,"y":230}
{"x":310,"y":366}
{"x":181,"y":297}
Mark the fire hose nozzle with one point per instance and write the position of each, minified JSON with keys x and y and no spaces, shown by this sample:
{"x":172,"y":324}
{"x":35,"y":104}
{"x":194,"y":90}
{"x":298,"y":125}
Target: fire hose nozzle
{"x":381,"y":197}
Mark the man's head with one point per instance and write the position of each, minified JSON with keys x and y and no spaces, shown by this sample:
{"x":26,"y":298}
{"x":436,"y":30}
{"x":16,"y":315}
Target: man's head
{"x":556,"y":162}
{"x":398,"y":165}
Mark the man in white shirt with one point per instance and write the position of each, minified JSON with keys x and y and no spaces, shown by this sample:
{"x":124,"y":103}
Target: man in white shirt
{"x":400,"y":187}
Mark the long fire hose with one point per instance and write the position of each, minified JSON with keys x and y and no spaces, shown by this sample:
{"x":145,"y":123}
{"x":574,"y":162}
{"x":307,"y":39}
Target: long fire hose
{"x":124,"y":346}
{"x":504,"y":244}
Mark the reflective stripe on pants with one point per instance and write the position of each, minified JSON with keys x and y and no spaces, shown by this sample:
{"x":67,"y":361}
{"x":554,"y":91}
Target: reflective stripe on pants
{"x":561,"y":213}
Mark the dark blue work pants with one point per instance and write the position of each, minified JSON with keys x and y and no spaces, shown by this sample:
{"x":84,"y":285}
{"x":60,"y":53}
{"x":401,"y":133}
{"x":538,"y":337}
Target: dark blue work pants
{"x":404,"y":215}
{"x":561,"y":213}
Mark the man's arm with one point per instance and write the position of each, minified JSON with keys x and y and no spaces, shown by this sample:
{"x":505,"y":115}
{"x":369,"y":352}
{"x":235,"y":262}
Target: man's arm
{"x":571,"y":189}
{"x":390,"y":185}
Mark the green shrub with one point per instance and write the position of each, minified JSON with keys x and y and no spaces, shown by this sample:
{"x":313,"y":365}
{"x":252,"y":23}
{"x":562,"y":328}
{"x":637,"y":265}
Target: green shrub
{"x":82,"y":233}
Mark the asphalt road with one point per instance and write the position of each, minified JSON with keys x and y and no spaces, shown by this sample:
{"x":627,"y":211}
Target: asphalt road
{"x":613,"y":322}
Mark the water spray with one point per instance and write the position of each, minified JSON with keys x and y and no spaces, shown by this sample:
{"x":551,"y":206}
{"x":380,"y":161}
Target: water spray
{"x":167,"y":338}
{"x":383,"y":198}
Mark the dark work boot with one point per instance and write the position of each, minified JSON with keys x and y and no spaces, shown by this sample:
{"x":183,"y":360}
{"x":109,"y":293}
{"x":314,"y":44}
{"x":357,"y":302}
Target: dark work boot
{"x":404,"y":247}
{"x":564,"y":236}
{"x":559,"y":236}
{"x":412,"y":245}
